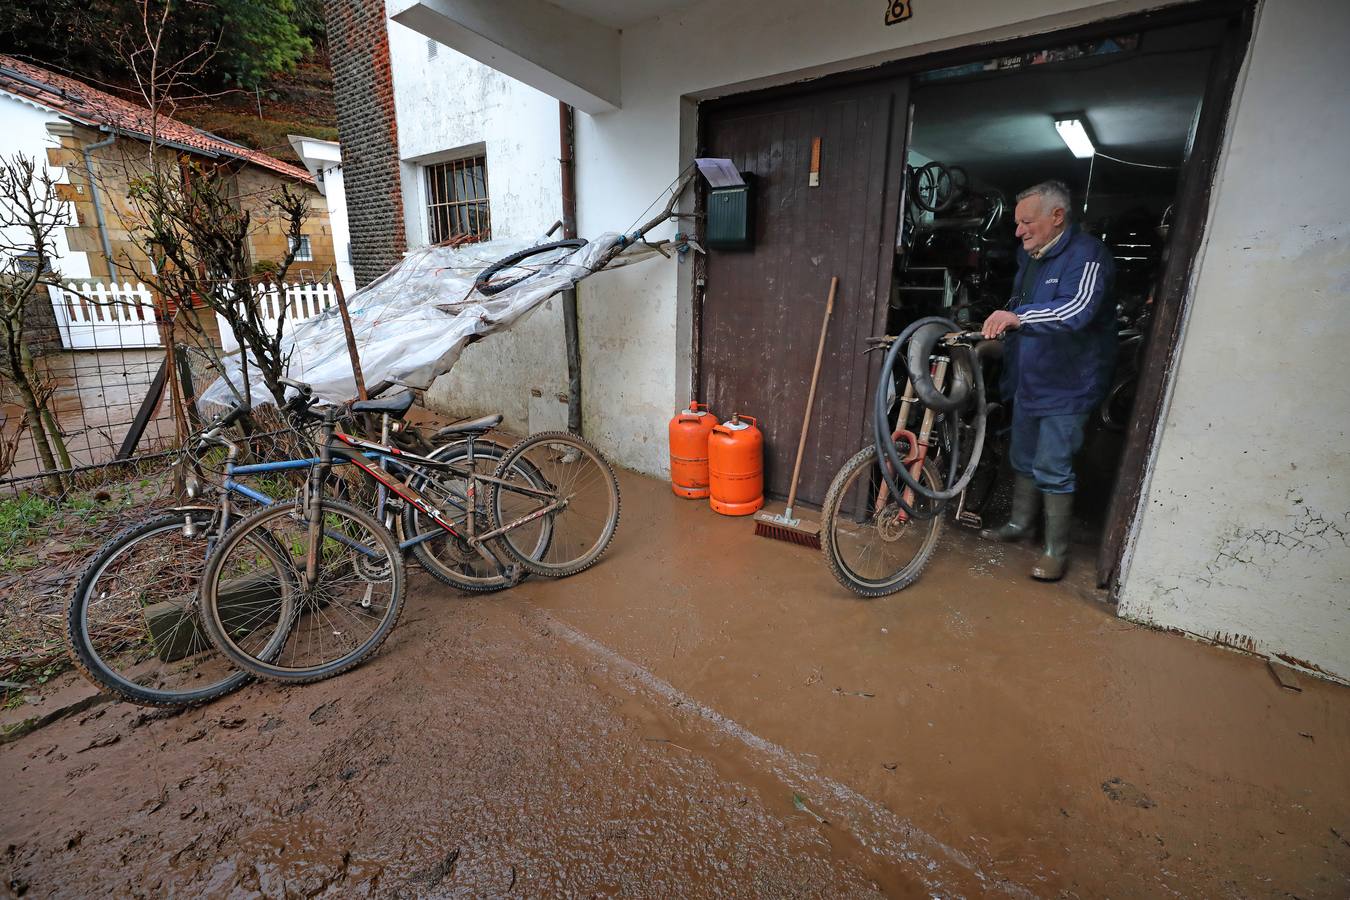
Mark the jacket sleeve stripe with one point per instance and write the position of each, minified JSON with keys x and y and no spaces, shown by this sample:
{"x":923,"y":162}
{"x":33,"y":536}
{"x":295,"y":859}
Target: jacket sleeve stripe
{"x":1073,"y":306}
{"x":1068,"y":310}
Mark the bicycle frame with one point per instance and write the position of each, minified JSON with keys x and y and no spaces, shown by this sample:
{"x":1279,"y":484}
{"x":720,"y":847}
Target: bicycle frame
{"x":918,"y":444}
{"x":380,"y":461}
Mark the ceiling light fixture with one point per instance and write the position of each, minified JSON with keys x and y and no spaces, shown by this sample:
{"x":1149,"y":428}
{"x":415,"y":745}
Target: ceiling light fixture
{"x":1072,"y":128}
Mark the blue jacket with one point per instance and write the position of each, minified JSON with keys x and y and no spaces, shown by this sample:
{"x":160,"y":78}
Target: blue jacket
{"x":1060,"y":360}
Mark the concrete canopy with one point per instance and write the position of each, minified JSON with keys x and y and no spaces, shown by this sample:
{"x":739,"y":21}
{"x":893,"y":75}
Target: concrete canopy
{"x":558,"y":51}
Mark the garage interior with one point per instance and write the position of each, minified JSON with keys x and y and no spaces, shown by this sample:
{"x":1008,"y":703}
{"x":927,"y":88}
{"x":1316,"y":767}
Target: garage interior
{"x":982,"y":132}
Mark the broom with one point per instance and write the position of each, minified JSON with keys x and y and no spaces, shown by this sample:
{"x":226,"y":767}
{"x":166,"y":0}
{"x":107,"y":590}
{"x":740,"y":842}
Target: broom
{"x":786,"y":527}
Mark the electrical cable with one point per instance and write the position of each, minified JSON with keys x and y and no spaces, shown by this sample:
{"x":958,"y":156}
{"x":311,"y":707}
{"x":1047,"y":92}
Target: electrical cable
{"x":1126,"y":162}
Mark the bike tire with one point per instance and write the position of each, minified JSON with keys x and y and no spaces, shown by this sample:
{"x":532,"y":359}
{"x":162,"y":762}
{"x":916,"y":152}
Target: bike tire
{"x":838,"y":533}
{"x":114,"y":665}
{"x":592,"y":491}
{"x":488,"y":288}
{"x":274,"y":663}
{"x":448,"y":559}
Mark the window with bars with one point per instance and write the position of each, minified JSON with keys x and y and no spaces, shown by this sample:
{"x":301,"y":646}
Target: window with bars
{"x":457,"y":200}
{"x":303,"y":251}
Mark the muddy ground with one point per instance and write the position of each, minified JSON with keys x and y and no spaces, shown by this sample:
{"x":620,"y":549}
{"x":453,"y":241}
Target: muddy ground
{"x":706,"y":713}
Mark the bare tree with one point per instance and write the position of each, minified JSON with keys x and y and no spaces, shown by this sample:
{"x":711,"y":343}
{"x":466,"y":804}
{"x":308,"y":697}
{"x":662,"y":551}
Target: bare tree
{"x":30,"y":213}
{"x":196,"y":231}
{"x":191,"y":223}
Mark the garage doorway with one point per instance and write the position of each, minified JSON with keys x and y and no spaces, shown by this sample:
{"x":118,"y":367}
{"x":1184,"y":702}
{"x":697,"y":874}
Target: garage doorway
{"x":1152,"y":92}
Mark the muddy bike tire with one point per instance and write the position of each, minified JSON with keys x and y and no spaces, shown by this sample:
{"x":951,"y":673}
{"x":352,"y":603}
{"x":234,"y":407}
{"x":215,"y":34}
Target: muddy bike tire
{"x":488,"y":288}
{"x":302,"y":618}
{"x":111,"y":661}
{"x":582,"y":530}
{"x":844,"y":541}
{"x":448,"y":559}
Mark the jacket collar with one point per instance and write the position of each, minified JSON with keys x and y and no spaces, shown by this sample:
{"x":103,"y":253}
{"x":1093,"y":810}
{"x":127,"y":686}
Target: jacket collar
{"x":1064,"y":239}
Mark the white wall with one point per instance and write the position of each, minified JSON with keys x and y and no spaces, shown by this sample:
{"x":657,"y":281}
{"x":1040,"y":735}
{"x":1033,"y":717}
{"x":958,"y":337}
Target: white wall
{"x":335,"y":195}
{"x":23,"y":129}
{"x":451,"y":105}
{"x":1245,"y":536}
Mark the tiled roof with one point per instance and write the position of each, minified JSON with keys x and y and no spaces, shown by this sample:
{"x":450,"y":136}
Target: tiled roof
{"x":79,"y":102}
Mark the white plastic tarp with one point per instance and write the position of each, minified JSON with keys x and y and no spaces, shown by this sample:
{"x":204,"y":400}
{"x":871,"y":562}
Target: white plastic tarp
{"x":412,"y":323}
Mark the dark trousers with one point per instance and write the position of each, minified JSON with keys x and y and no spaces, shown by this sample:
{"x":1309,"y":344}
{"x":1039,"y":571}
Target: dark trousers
{"x":1043,"y":448}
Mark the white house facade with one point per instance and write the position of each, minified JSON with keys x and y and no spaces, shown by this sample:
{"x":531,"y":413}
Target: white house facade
{"x":1234,"y":525}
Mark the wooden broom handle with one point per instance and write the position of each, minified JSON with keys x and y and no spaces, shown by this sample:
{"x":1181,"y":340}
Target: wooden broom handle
{"x":811,"y":396}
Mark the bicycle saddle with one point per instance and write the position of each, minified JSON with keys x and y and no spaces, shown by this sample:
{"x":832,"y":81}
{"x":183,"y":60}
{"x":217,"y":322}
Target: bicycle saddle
{"x":472,"y":426}
{"x":396,"y":405}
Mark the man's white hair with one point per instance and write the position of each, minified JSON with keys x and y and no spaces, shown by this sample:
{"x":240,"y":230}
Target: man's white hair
{"x":1055,"y":193}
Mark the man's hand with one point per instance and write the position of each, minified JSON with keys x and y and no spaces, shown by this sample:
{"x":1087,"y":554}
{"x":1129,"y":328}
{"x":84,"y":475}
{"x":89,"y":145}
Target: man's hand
{"x":1000,"y":321}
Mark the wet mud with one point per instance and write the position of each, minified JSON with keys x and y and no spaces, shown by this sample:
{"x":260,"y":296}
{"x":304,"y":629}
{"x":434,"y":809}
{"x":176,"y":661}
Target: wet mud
{"x":706,"y":713}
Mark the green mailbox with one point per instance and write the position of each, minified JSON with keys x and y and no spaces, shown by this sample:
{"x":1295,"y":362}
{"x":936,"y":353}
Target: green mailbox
{"x":731,"y":216}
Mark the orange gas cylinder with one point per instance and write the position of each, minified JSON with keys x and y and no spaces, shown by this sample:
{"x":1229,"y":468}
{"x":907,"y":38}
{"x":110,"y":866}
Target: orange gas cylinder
{"x":689,"y":432}
{"x":736,"y":467}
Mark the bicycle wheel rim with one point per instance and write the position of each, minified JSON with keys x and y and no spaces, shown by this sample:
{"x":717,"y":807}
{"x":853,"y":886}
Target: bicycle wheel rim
{"x":263,"y":616}
{"x":873,"y":549}
{"x":580,"y":507}
{"x":134,"y":622}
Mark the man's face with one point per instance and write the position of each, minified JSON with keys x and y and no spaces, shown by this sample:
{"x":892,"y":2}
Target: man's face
{"x":1037,"y":224}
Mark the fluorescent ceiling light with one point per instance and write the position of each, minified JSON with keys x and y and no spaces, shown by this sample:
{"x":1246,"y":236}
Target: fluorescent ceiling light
{"x":1074,"y":132}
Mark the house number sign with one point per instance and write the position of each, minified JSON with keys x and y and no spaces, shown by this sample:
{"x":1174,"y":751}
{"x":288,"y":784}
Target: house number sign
{"x":899,"y":11}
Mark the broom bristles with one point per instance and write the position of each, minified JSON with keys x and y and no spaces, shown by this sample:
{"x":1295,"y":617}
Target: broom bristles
{"x":806,"y":538}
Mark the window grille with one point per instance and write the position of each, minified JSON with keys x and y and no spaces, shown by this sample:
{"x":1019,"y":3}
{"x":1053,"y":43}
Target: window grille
{"x":457,"y":200}
{"x":303,"y":251}
{"x":431,"y":48}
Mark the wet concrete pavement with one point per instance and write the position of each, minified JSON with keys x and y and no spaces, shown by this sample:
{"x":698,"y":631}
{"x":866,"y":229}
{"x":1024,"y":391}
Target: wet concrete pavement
{"x":679,"y":720}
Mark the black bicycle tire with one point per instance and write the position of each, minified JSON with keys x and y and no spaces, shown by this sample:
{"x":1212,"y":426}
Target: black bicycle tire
{"x":79,"y":644}
{"x":481,"y":283}
{"x":424,"y":556}
{"x":592,"y":556}
{"x":919,"y":200}
{"x":265,"y":670}
{"x":829,"y":512}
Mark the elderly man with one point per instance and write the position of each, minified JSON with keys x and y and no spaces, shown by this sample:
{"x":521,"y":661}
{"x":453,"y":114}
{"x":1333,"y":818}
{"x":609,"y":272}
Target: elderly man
{"x":1061,"y":349}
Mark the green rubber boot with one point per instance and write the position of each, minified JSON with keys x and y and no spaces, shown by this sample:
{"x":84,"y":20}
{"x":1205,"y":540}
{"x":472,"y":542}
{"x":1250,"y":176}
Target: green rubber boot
{"x":1058,"y":520}
{"x":1025,"y":506}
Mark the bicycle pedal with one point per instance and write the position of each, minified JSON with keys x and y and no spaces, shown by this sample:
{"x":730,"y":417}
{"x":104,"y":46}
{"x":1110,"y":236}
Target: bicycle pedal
{"x":969,"y":519}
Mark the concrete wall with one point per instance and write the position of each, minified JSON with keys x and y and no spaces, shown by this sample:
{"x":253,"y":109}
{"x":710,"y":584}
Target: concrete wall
{"x":451,"y":106}
{"x":23,"y":129}
{"x":1245,"y":537}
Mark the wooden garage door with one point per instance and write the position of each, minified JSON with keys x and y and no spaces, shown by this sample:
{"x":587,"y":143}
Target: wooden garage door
{"x":762,"y":309}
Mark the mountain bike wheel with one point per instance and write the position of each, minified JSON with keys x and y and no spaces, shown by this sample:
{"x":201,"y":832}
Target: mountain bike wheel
{"x":448,"y":558}
{"x":260,"y":613}
{"x":874,"y":551}
{"x":580,"y":506}
{"x":133,"y":625}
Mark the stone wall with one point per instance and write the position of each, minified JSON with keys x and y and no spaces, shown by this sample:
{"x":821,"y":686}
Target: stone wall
{"x":368,"y":131}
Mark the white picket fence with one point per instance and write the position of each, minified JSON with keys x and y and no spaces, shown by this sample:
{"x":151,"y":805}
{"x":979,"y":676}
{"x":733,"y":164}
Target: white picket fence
{"x":300,"y":302}
{"x":96,"y":316}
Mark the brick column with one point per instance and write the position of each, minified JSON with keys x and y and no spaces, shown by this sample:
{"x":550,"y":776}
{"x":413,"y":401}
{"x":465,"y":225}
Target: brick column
{"x":363,"y":87}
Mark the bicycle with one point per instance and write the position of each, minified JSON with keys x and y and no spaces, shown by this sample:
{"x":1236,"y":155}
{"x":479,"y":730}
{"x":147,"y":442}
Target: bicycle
{"x":304,"y":591}
{"x":877,"y":541}
{"x":132,"y":623}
